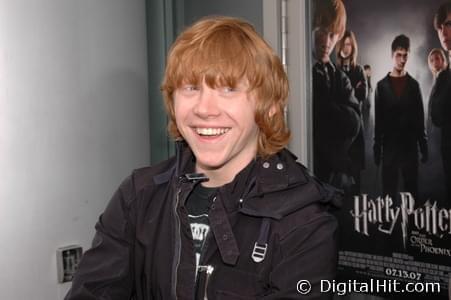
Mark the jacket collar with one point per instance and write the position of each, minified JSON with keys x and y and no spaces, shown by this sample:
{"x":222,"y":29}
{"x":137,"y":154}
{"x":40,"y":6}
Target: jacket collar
{"x":387,"y":77}
{"x":276,"y":173}
{"x":255,"y":189}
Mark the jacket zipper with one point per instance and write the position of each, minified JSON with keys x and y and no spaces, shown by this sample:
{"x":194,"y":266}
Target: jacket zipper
{"x":178,"y":233}
{"x":178,"y":248}
{"x":208,"y":269}
{"x":205,"y":268}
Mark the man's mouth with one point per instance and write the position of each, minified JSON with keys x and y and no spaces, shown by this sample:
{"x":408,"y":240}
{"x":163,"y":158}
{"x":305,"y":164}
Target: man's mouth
{"x":211,"y":131}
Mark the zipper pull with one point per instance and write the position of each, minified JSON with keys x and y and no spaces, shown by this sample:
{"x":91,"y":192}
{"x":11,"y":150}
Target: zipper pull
{"x":204,"y":273}
{"x":195,"y":177}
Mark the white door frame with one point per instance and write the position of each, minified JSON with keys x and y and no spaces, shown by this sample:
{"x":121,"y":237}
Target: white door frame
{"x":298,"y":68}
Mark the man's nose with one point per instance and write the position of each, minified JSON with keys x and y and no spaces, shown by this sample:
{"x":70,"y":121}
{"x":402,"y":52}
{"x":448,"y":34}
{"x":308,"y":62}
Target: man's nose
{"x":329,"y":39}
{"x":207,"y":103}
{"x":442,"y":30}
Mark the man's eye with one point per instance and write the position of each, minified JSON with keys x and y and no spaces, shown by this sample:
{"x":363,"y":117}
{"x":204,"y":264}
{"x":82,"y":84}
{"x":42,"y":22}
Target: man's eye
{"x":447,"y":24}
{"x":228,"y":89}
{"x":190,"y":88}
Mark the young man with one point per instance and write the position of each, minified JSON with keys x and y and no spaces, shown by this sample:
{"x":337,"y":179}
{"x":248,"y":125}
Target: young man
{"x":399,"y":124}
{"x":232,"y":216}
{"x":336,"y":113}
{"x":440,"y":99}
{"x":347,"y":52}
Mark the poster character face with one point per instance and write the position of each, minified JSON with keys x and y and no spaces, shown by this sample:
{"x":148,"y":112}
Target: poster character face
{"x":325,"y":42}
{"x":436,"y":63}
{"x":444,"y":33}
{"x":400,"y":57}
{"x":346,"y":51}
{"x":218,"y":124}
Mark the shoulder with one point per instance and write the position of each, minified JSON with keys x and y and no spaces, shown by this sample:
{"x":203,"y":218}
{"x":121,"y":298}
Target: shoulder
{"x":308,"y":208}
{"x":385,"y":80}
{"x":358,"y":69}
{"x":289,"y":189}
{"x":384,"y":83}
{"x":412,"y":81}
{"x":444,"y":77}
{"x":147,"y":177}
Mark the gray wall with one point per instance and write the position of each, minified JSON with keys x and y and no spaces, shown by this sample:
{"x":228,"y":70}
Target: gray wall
{"x":73,"y":123}
{"x":251,"y":10}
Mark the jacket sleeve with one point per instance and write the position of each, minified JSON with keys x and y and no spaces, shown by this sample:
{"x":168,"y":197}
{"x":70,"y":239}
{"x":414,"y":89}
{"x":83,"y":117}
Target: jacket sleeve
{"x":349,"y":105}
{"x":342,"y":111}
{"x":378,"y":123}
{"x":105,"y":271}
{"x":308,"y":260}
{"x":421,"y":131}
{"x":360,"y":90}
{"x":438,"y":98}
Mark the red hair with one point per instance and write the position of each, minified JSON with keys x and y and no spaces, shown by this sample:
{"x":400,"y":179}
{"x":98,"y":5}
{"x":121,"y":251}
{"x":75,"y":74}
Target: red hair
{"x":330,"y":15}
{"x":223,"y":51}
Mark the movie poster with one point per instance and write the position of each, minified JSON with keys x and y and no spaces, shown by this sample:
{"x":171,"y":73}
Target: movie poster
{"x":395,"y":222}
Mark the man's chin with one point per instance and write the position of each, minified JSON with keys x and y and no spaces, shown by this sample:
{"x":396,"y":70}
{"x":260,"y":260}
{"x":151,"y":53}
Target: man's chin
{"x":210,"y":162}
{"x":446,"y":45}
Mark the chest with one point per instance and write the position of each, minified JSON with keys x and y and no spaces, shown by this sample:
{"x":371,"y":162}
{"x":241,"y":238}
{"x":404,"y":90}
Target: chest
{"x":166,"y":259}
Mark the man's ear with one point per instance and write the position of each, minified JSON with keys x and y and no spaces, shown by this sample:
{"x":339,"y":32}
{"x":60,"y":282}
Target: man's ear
{"x":272,"y":111}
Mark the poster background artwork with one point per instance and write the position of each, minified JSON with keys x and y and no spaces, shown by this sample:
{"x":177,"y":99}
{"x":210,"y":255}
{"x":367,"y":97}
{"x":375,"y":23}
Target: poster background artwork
{"x":408,"y":249}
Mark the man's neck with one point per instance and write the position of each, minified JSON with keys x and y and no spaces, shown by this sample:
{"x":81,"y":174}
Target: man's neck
{"x":322,"y":61}
{"x":215,"y":178}
{"x":398,"y":73}
{"x":220,"y":176}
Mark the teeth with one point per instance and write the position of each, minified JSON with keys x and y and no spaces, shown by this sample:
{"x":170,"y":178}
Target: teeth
{"x":211,"y":131}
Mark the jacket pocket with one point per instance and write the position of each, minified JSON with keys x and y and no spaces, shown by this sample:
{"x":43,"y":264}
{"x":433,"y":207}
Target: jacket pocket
{"x":232,"y":283}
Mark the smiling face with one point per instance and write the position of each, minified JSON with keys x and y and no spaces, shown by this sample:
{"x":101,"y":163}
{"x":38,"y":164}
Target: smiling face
{"x":221,"y":124}
{"x":218,"y":123}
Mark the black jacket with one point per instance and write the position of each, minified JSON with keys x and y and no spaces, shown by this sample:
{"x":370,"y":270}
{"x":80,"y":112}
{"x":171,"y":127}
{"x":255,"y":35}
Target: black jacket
{"x":440,"y":105}
{"x":143,"y":245}
{"x":336,"y":121}
{"x":399,"y":122}
{"x":358,"y":82}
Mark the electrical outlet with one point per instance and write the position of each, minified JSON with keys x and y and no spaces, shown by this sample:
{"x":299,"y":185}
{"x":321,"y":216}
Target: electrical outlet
{"x":67,"y":260}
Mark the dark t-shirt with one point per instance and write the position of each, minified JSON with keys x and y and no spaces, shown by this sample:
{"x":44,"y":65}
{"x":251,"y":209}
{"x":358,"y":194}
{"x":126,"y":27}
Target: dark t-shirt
{"x":399,"y":84}
{"x":198,"y":204}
